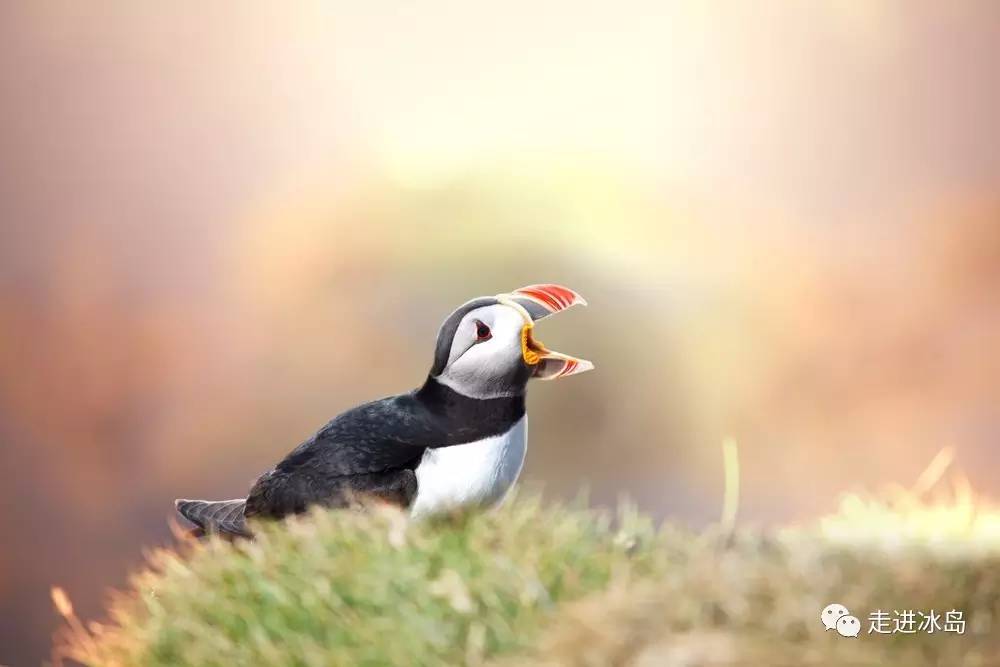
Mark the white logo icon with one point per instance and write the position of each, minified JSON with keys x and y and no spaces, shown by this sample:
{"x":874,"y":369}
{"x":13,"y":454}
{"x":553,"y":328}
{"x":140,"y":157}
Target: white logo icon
{"x":833,"y":613}
{"x":848,"y":626}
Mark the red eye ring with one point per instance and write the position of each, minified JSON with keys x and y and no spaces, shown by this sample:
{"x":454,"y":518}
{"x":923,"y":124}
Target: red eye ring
{"x":482,"y":332}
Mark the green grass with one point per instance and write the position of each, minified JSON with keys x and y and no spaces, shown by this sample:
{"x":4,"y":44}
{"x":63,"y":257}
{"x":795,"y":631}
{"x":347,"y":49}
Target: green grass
{"x":347,"y":588}
{"x":544,"y":585}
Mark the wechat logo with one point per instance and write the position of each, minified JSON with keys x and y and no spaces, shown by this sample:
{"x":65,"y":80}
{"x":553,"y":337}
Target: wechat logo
{"x":837,"y":617}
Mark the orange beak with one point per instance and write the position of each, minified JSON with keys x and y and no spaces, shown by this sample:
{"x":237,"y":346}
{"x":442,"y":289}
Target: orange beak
{"x":549,"y":364}
{"x":532,"y":348}
{"x":535,"y":302}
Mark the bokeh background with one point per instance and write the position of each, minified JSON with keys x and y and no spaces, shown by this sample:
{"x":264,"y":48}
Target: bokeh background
{"x":223,"y":223}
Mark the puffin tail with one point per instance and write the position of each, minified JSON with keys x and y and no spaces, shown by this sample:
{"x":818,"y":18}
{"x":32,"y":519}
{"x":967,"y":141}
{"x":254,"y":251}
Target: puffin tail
{"x":222,"y":517}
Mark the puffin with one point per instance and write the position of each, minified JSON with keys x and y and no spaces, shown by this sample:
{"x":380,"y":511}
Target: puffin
{"x":456,"y":442}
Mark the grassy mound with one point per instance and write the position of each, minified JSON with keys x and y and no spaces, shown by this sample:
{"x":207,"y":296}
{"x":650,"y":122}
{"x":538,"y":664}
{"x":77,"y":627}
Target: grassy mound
{"x":543,"y":585}
{"x":346,"y":588}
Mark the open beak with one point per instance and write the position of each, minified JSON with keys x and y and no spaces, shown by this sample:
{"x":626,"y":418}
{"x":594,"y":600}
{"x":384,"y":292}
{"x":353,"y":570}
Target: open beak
{"x":536,"y":302}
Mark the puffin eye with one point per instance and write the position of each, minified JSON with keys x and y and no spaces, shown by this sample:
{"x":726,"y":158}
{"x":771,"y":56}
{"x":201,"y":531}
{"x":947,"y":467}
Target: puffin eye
{"x":482,"y":332}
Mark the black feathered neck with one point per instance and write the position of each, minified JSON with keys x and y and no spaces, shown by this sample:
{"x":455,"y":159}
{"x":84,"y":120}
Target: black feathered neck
{"x":459,"y":409}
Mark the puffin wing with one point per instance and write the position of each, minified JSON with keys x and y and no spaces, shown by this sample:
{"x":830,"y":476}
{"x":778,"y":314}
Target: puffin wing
{"x":369,"y":451}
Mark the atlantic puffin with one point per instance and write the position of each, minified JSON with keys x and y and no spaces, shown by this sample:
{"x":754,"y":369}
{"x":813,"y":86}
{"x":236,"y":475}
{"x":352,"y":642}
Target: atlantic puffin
{"x":457,"y":441}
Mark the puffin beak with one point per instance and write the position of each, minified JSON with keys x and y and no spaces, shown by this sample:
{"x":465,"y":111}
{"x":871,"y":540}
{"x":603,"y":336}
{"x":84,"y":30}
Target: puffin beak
{"x":536,"y":302}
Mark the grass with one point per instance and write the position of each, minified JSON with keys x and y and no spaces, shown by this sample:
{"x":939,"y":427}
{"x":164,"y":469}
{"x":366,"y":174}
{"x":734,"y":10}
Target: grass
{"x":347,"y":588}
{"x":536,"y":584}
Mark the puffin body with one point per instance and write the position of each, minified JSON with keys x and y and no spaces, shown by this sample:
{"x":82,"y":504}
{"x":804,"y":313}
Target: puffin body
{"x":457,"y":441}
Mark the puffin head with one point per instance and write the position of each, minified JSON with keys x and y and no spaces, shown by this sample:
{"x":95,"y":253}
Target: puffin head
{"x":486,"y":348}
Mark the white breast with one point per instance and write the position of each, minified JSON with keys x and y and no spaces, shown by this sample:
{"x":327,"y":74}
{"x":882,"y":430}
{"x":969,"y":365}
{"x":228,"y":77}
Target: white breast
{"x":478,"y":473}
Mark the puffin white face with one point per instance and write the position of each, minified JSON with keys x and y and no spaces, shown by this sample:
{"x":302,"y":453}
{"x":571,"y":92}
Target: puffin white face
{"x":485,"y":357}
{"x":487,"y":349}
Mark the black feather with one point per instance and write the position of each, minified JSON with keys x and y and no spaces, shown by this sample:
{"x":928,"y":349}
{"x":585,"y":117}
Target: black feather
{"x":219,"y":516}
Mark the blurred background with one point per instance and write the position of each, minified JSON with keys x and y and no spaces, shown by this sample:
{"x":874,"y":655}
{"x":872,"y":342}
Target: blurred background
{"x":221,"y":224}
